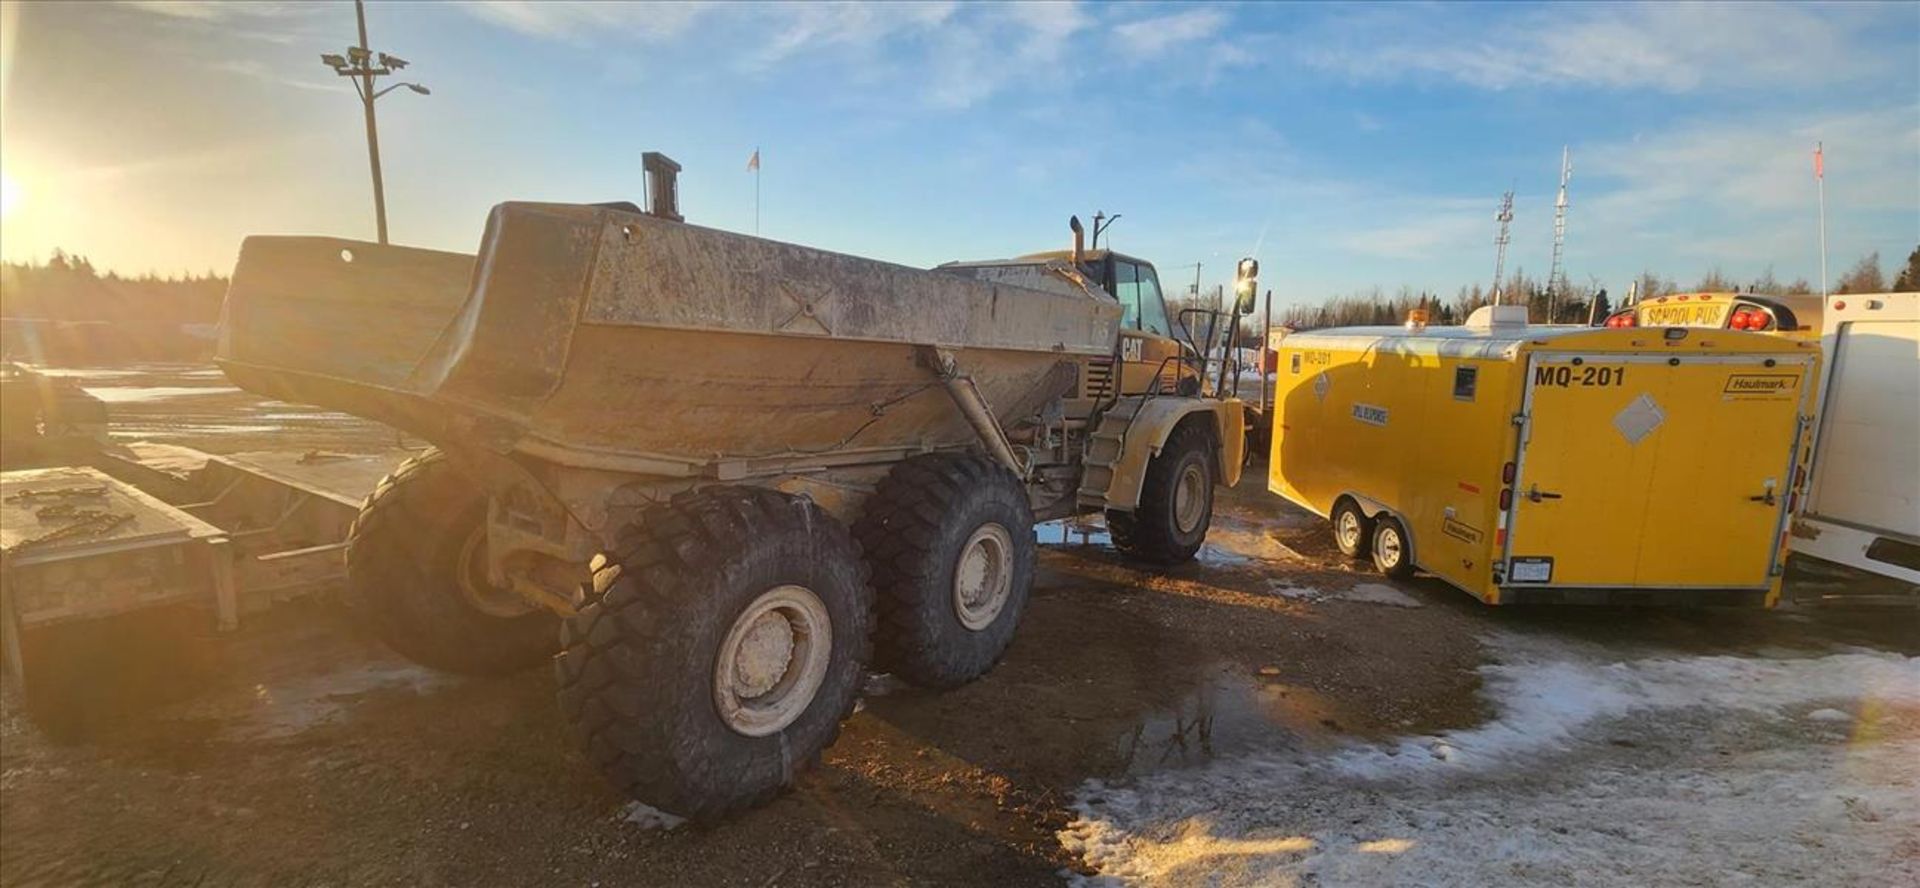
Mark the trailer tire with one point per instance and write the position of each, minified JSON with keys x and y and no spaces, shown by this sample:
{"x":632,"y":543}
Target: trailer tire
{"x":950,"y":541}
{"x":1352,"y":529}
{"x":676,"y":676}
{"x":1392,"y":550}
{"x":1176,"y":500}
{"x":416,"y":579}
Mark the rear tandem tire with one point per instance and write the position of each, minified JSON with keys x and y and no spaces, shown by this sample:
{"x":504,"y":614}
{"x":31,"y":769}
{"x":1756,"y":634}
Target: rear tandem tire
{"x":416,"y":579}
{"x":1352,"y":530}
{"x":950,"y":541}
{"x":1176,"y":500}
{"x":1392,"y":551}
{"x":721,"y":646}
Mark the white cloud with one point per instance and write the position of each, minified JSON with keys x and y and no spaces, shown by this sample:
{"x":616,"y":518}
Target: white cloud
{"x":1150,"y":37}
{"x":579,"y":21}
{"x":949,"y":55}
{"x":1672,"y":47}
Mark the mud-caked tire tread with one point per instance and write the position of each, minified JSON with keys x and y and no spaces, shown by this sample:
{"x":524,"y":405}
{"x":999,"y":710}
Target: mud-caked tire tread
{"x":1149,"y":533}
{"x":912,"y":530}
{"x":636,"y":660}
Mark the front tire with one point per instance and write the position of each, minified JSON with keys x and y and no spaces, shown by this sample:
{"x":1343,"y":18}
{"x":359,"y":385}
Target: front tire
{"x":416,"y":575}
{"x":950,"y":540}
{"x":721,"y":647}
{"x":1176,"y":500}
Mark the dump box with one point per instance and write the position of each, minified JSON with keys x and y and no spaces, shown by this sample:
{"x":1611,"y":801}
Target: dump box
{"x":1552,"y":464}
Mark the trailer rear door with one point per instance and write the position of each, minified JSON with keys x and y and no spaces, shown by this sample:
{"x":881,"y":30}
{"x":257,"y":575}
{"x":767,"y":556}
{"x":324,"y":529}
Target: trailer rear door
{"x":1635,"y":472}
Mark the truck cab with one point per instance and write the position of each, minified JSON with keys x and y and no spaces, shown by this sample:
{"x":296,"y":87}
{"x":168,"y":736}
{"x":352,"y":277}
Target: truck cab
{"x":1150,"y":349}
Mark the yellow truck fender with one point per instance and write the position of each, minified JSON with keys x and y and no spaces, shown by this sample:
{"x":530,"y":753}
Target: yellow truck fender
{"x":1142,"y":429}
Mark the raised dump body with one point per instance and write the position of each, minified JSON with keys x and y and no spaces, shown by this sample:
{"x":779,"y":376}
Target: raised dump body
{"x":595,"y":336}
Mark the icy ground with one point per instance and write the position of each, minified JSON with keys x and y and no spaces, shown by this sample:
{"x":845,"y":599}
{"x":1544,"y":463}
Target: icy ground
{"x":1661,"y":770}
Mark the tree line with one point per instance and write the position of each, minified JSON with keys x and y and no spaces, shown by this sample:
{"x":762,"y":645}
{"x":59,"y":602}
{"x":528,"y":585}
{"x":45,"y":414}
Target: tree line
{"x":1576,"y":303}
{"x":67,"y":287}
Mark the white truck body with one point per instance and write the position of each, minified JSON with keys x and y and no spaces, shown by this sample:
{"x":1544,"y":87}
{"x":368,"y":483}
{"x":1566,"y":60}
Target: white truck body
{"x":1862,"y":508}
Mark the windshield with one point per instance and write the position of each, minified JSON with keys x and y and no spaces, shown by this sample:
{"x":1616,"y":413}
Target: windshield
{"x":1138,"y":289}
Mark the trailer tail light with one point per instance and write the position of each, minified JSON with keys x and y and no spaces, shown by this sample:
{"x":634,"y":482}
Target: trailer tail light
{"x":1506,"y":473}
{"x":1506,"y":499}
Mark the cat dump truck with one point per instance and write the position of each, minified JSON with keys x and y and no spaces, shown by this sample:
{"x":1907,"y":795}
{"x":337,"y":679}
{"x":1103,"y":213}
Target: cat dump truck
{"x":1552,"y":464}
{"x":714,"y":477}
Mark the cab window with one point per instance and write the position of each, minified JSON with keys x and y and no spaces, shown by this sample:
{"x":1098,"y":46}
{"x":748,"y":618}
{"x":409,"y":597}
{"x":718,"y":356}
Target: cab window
{"x":1126,"y":288}
{"x":1153,"y":308}
{"x":1138,"y":289}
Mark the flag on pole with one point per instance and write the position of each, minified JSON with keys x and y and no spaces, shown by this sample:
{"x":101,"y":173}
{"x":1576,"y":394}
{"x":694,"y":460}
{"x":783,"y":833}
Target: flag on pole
{"x":1819,"y":162}
{"x":753,"y":163}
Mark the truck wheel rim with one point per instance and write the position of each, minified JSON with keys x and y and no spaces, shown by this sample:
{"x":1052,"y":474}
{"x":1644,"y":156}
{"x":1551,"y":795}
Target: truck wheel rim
{"x":1190,"y":498}
{"x":772,"y":661}
{"x":1349,"y":528}
{"x":983,"y":578}
{"x":480,"y":592}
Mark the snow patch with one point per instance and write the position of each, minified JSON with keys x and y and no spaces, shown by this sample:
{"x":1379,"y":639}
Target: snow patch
{"x":647,"y":816}
{"x":1595,"y":771}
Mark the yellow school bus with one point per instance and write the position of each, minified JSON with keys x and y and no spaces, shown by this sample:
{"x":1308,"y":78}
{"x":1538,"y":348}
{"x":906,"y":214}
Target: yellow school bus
{"x":1551,"y":464}
{"x":1796,"y":316}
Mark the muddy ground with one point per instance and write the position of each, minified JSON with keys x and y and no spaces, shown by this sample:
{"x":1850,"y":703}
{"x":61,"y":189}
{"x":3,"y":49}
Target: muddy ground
{"x":305,"y":755}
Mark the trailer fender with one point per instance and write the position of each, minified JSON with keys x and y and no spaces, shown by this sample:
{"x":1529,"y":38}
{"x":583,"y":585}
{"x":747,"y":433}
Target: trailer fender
{"x":1147,"y":432}
{"x":1373,"y":508}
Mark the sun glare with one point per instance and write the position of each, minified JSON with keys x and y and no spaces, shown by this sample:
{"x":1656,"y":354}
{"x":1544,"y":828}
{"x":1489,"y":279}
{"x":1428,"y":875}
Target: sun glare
{"x":10,"y":195}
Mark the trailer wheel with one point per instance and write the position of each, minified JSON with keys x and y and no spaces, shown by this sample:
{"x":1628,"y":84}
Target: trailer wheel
{"x":950,"y":540}
{"x":416,"y":575}
{"x":721,"y":645}
{"x":1176,"y":500}
{"x":1392,"y":551}
{"x":1352,"y":529}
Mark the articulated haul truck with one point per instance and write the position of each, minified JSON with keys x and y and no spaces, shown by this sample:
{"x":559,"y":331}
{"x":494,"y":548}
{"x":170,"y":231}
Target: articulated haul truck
{"x":713,"y":477}
{"x":1551,"y":464}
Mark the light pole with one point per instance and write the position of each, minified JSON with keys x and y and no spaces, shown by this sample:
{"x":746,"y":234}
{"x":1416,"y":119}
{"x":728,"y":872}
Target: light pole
{"x":358,"y":64}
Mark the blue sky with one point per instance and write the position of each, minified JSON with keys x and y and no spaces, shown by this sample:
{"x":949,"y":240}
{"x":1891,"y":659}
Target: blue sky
{"x":1346,"y":146}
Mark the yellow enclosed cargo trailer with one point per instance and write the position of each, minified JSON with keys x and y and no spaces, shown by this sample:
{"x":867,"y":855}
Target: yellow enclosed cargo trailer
{"x":1551,"y":464}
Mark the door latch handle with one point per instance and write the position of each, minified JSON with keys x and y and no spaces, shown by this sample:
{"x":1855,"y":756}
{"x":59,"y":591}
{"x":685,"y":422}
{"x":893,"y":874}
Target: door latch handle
{"x":1535,"y":494}
{"x":1767,"y":498}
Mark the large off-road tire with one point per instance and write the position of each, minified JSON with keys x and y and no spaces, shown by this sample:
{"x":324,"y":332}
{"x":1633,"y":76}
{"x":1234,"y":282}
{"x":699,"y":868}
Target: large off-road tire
{"x":721,"y":645}
{"x":950,"y":540}
{"x":417,"y":575}
{"x":1176,"y":500}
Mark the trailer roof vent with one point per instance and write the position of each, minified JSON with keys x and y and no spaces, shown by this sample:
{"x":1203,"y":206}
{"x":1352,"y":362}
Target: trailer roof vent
{"x":1496,"y":317}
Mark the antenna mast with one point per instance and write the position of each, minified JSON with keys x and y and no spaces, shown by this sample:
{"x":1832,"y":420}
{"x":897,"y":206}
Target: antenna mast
{"x":1557,"y":279}
{"x":1504,"y":217}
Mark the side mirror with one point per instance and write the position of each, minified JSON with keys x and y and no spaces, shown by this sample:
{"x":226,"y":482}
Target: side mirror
{"x":1246,"y":281}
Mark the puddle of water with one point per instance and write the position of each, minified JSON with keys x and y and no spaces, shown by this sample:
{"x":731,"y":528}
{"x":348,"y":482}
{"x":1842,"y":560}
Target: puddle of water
{"x":1365,"y":593}
{"x":1232,"y":714}
{"x":1073,"y":532}
{"x":289,"y":705}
